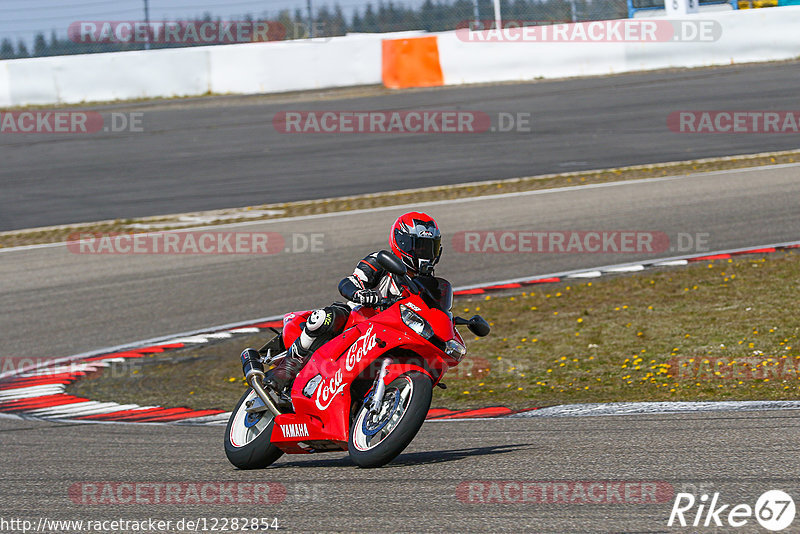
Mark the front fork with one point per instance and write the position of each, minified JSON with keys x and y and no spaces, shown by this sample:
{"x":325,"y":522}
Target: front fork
{"x":379,"y":389}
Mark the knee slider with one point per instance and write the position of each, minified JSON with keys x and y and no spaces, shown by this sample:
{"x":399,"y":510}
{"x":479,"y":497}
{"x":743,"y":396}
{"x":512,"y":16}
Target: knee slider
{"x":326,"y":320}
{"x":316,"y":322}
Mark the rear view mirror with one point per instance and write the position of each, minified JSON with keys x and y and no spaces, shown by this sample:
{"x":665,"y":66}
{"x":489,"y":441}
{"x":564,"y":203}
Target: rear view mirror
{"x":391,"y":263}
{"x":476,"y":324}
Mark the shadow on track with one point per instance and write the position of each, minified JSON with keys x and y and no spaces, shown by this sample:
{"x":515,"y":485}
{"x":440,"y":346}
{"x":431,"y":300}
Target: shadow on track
{"x":415,"y":458}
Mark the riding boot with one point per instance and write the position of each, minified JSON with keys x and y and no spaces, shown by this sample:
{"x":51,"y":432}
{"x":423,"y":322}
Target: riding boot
{"x":319,"y":328}
{"x":286,"y":371}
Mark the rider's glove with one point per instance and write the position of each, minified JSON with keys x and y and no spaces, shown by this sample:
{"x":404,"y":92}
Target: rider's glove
{"x":367,"y":297}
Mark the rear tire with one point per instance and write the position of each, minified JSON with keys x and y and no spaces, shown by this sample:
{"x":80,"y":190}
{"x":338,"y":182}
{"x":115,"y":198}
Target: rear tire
{"x":247,"y":443}
{"x":376,"y":441}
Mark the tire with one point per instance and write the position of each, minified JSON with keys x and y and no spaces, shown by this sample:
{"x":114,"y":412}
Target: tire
{"x":377,"y":441}
{"x":250,"y":447}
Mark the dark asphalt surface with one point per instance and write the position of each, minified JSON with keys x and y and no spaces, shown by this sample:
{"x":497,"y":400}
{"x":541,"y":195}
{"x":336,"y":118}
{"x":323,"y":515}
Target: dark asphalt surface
{"x":224,"y":152}
{"x":739,"y":455}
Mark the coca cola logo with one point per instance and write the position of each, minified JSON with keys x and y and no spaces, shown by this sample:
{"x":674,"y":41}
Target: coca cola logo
{"x":359,"y":349}
{"x":328,"y":389}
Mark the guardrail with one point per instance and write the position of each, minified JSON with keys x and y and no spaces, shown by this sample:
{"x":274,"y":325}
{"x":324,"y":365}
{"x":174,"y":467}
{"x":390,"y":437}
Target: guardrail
{"x":251,"y":68}
{"x":732,"y":37}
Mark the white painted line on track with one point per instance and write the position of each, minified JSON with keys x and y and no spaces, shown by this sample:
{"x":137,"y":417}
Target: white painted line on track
{"x":645,"y":408}
{"x":673,"y":263}
{"x":31,"y":391}
{"x":79,"y":408}
{"x":626,"y":269}
{"x":587,"y":274}
{"x":443,"y":202}
{"x":655,"y":262}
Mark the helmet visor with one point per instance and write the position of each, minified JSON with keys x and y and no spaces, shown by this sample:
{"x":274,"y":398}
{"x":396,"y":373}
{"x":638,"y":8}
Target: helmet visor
{"x":421,"y":248}
{"x":427,"y":248}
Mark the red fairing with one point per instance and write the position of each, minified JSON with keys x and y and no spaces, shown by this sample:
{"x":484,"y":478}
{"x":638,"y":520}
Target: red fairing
{"x":359,"y":315}
{"x":321,"y":393}
{"x":293,"y":326}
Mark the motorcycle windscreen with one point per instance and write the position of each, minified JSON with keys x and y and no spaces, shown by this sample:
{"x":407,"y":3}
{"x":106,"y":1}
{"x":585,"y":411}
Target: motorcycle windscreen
{"x":440,"y":289}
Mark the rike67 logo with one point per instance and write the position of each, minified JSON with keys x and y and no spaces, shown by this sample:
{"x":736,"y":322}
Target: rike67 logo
{"x":774,"y":510}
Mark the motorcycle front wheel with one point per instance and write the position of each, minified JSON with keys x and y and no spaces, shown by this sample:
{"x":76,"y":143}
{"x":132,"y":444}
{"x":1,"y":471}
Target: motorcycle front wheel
{"x":247,"y":437}
{"x":377,"y":439}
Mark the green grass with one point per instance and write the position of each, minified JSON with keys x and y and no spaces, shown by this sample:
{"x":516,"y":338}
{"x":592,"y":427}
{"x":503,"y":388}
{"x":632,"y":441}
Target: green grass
{"x":721,"y":330}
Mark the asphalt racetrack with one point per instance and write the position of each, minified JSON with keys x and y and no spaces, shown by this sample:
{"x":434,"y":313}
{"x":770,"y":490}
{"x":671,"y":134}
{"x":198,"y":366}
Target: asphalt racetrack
{"x":56,"y":303}
{"x":224,"y":152}
{"x":740,"y":455}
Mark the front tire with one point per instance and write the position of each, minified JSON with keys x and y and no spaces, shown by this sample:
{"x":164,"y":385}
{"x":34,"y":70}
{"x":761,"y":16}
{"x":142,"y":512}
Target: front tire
{"x":247,"y":437}
{"x":377,"y":440}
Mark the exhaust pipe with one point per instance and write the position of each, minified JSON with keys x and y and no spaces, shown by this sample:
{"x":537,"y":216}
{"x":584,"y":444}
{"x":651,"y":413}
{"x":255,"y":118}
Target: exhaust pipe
{"x":253,"y":371}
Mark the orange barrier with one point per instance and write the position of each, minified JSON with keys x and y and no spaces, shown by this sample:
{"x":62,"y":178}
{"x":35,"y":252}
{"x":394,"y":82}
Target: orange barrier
{"x":411,"y":62}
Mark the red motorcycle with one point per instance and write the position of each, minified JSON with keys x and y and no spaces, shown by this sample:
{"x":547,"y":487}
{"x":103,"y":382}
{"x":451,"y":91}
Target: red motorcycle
{"x":367,"y":391}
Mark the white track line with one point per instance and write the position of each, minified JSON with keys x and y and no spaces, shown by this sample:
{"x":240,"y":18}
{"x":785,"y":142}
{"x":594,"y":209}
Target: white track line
{"x":644,"y":408}
{"x":656,"y":262}
{"x":431,"y":203}
{"x":32,"y":391}
{"x":78,"y":408}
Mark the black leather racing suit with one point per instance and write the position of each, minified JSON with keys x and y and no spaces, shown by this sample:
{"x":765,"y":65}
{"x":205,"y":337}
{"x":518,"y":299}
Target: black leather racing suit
{"x":368,"y":278}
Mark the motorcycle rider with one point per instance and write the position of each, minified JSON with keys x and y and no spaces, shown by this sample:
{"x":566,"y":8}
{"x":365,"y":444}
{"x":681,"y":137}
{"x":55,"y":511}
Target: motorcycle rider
{"x":415,"y":239}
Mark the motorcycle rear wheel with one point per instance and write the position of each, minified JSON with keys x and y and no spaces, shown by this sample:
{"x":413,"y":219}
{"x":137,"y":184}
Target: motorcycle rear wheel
{"x":247,"y":442}
{"x":377,"y":440}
